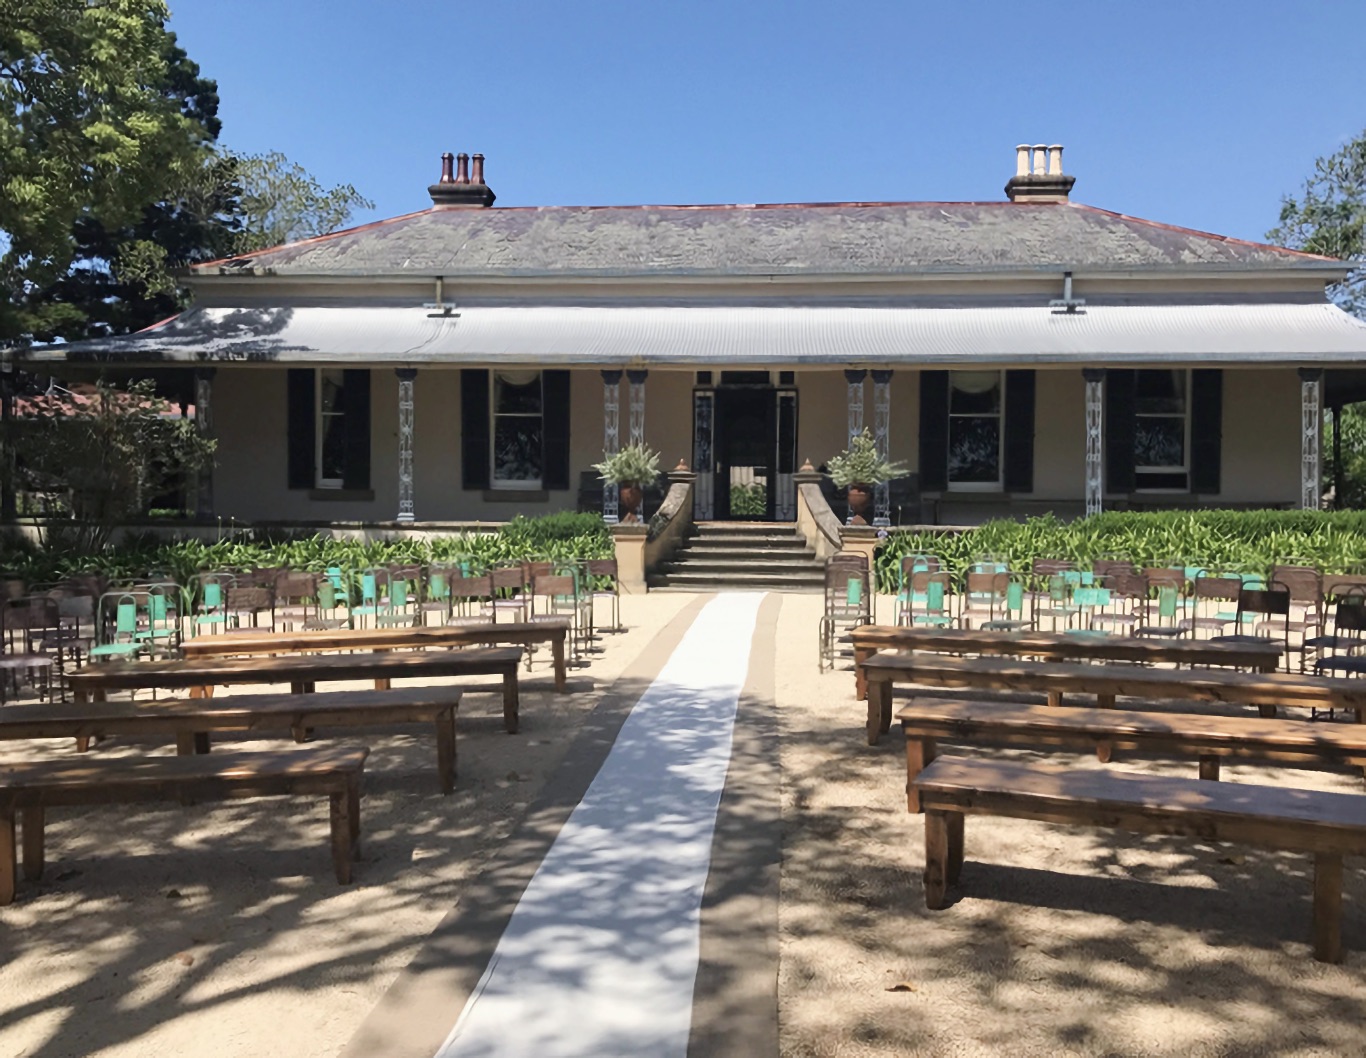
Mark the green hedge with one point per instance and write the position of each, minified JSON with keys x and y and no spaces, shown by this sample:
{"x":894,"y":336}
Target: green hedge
{"x":1249,"y":541}
{"x":554,"y":536}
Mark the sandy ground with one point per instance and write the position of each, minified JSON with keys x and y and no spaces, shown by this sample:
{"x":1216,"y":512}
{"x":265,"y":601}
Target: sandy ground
{"x":219,"y":930}
{"x":1064,"y":941}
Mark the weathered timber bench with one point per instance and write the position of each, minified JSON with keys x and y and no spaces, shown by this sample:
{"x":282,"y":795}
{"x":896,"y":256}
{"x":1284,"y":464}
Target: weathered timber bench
{"x":1328,"y":825}
{"x":521,"y":633}
{"x":29,"y":789}
{"x":191,"y":721}
{"x":302,"y":672}
{"x":1264,"y":656}
{"x":1210,"y":739}
{"x":1106,"y":681}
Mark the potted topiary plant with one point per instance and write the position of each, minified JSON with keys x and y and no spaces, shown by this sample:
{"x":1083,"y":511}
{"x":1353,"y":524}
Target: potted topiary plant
{"x":857,"y":469}
{"x":629,"y":469}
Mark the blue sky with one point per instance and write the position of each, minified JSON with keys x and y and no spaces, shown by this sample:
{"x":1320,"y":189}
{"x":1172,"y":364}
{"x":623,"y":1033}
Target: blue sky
{"x":1201,"y":113}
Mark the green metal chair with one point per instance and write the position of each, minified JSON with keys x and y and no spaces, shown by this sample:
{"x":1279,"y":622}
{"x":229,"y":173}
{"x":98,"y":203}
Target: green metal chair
{"x":116,"y":626}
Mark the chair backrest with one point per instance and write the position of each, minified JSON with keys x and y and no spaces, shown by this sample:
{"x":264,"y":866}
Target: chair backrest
{"x":1221,"y":589}
{"x":479,"y":586}
{"x":438,"y":585}
{"x":255,"y":597}
{"x":921,"y":563}
{"x":552,"y":585}
{"x":984,"y":583}
{"x":1349,"y":614}
{"x":1162,"y":576}
{"x":1305,"y":584}
{"x":1270,"y":602}
{"x":856,"y":559}
{"x":603,"y":567}
{"x":1127,"y":585}
{"x":294,"y":587}
{"x":1110,"y":567}
{"x":508,"y":578}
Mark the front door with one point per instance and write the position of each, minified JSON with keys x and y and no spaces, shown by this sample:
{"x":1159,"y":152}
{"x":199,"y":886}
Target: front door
{"x":745,"y":424}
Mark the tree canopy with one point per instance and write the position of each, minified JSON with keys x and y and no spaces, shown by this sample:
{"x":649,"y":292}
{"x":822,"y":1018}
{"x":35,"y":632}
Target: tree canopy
{"x":1328,"y":216}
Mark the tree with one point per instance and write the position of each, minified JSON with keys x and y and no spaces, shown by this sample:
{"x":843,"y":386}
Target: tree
{"x":90,"y":461}
{"x":1329,"y":217}
{"x":87,"y":129}
{"x":282,"y":202}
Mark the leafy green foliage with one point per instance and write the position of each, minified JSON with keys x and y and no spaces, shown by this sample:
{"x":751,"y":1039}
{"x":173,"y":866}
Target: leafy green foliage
{"x":860,"y":464}
{"x":87,"y":129}
{"x":92,"y":461}
{"x":556,"y":536}
{"x":281,"y":202}
{"x":635,"y":464}
{"x":1249,"y":541}
{"x":748,"y":501}
{"x":1329,"y":217}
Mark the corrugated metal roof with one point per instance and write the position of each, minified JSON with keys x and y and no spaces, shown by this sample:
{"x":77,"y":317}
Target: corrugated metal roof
{"x":833,"y":334}
{"x":823,"y":239}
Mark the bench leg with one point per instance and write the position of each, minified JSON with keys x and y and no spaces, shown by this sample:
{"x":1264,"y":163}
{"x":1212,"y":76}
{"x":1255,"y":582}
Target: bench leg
{"x":557,"y":654}
{"x":1055,"y":698}
{"x":341,"y":835}
{"x":861,"y":654}
{"x":82,"y":743}
{"x":1328,"y":907}
{"x":936,"y":875}
{"x":1209,"y":767}
{"x":1105,"y":701}
{"x":353,"y":812}
{"x":383,"y":685}
{"x":445,"y":749}
{"x":1268,"y":711}
{"x":919,"y":753}
{"x":1104,"y":751}
{"x":879,"y":702}
{"x":7,"y":856}
{"x":33,"y":822}
{"x":510,"y":720}
{"x":955,"y":829}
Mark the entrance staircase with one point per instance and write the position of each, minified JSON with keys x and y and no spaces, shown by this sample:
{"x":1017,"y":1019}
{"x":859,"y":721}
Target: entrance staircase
{"x":741,"y":556}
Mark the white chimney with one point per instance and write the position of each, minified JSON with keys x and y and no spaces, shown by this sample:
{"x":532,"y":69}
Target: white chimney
{"x":1038,"y":175}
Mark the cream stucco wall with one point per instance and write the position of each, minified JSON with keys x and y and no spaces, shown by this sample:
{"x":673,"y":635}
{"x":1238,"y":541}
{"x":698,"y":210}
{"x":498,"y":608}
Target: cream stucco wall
{"x":1260,"y":442}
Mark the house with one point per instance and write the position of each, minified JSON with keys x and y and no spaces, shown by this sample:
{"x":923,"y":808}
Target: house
{"x":470,"y":362}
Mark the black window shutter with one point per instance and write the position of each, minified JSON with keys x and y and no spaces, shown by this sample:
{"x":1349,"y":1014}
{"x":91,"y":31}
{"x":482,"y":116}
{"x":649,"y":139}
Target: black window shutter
{"x":1207,"y":429}
{"x":1119,"y":430}
{"x":934,"y":431}
{"x":356,"y":398}
{"x":1018,"y":473}
{"x":555,"y":429}
{"x":474,"y":428}
{"x":301,"y":431}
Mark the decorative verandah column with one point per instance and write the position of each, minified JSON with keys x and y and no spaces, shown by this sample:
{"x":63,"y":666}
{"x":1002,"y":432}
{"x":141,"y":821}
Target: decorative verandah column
{"x":636,"y":416}
{"x":611,"y":439}
{"x":854,"y":377}
{"x":882,"y":423}
{"x":203,"y":421}
{"x":406,"y":375}
{"x":1095,"y":439}
{"x":1311,"y":434}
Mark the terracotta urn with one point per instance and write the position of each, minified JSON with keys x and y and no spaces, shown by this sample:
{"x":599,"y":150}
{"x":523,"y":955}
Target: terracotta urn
{"x":860,"y":500}
{"x":630,"y":497}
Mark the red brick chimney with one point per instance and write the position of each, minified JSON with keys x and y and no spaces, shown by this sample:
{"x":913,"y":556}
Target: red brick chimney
{"x":461,"y":190}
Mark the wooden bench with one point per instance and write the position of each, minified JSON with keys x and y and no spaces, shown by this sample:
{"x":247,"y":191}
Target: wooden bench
{"x":1059,"y":646}
{"x":1268,"y":690}
{"x":191,"y":721}
{"x":302,"y":672}
{"x":29,"y":789}
{"x":1210,"y":739}
{"x":1328,"y":825}
{"x":522,"y":633}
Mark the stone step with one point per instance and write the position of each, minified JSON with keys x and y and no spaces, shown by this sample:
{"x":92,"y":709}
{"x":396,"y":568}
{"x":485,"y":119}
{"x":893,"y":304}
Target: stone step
{"x":796,"y":543}
{"x":695,"y":583}
{"x":743,"y":565}
{"x":691,"y":553}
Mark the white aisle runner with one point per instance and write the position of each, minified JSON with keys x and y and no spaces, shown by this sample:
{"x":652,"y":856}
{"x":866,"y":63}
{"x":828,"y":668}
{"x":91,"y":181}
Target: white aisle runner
{"x":600,"y":955}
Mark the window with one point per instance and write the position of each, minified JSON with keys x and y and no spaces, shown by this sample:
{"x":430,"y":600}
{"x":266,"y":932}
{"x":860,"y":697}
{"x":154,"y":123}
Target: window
{"x":329,"y":457}
{"x":974,"y":430}
{"x":1161,"y":430}
{"x":518,"y":430}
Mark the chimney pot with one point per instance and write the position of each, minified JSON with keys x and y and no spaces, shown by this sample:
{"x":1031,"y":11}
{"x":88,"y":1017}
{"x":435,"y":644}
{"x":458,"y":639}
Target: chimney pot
{"x":457,"y":191}
{"x":477,"y":176}
{"x":447,"y":159}
{"x":1038,"y":175}
{"x":462,"y":173}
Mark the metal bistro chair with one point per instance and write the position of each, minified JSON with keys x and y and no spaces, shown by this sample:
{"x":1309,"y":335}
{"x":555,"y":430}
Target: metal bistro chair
{"x":995,"y":601}
{"x":1268,"y":611}
{"x":910,"y":566}
{"x":210,"y":611}
{"x":1127,"y":594}
{"x":1211,"y":598}
{"x":510,"y":592}
{"x":470,"y":593}
{"x":606,"y":586}
{"x":1160,"y":613}
{"x":847,"y":605}
{"x":929,"y":600}
{"x":1341,"y":650}
{"x":556,"y":597}
{"x":436,"y":594}
{"x":116,"y":626}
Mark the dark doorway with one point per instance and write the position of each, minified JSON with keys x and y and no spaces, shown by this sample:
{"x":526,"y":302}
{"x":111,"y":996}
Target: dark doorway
{"x":745,"y":426}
